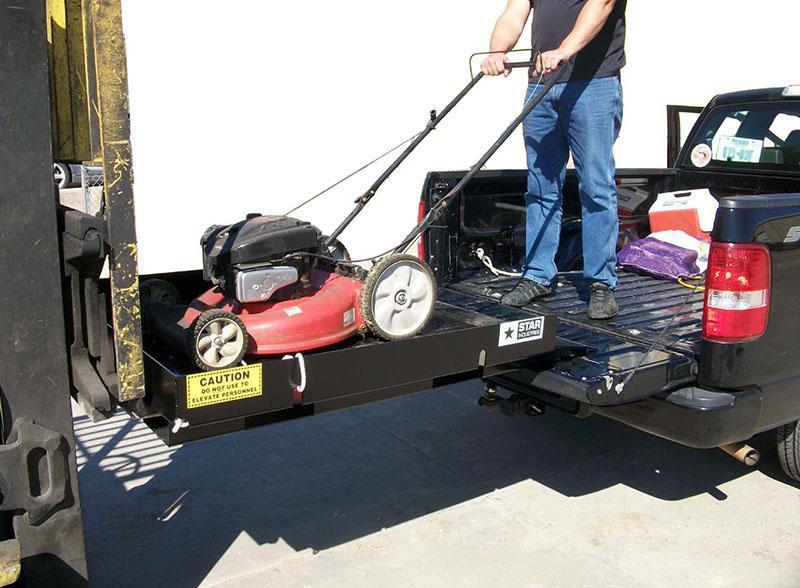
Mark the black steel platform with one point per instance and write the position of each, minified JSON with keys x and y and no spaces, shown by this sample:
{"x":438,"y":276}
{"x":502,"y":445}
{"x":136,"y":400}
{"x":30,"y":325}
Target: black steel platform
{"x":655,"y":337}
{"x":459,"y":343}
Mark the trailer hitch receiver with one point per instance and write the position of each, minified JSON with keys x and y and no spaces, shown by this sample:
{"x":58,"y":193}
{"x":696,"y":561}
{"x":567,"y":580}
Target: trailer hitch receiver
{"x":514,"y":405}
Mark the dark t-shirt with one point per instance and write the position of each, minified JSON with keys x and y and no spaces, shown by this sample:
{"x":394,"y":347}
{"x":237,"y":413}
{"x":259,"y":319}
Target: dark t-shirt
{"x":604,"y":57}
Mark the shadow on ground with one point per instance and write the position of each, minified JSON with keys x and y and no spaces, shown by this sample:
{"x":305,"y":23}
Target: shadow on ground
{"x":320,"y":482}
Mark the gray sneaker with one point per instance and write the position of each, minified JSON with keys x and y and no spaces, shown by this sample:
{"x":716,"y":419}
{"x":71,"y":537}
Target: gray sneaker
{"x":525,"y":292}
{"x":603,"y":305}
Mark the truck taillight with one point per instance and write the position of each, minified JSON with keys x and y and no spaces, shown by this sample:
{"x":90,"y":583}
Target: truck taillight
{"x":737,"y":293}
{"x":421,"y":249}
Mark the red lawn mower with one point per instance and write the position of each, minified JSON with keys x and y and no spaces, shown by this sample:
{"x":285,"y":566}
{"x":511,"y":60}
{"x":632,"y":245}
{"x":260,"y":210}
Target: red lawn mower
{"x":281,"y":287}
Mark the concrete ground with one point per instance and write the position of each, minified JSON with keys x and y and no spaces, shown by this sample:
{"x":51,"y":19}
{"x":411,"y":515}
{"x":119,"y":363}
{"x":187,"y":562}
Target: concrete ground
{"x":429,"y":490}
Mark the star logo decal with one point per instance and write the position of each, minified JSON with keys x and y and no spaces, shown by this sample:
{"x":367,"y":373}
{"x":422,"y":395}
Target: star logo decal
{"x":509,"y":334}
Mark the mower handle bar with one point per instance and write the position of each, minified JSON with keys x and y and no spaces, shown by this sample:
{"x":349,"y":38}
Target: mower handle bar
{"x":436,"y":118}
{"x":439,"y":208}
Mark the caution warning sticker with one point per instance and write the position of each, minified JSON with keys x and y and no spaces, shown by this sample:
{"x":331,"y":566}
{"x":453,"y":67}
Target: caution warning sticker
{"x":223,"y":386}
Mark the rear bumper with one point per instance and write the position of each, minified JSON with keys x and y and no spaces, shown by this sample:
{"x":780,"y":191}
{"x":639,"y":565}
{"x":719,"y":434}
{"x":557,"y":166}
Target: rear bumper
{"x":695,"y":417}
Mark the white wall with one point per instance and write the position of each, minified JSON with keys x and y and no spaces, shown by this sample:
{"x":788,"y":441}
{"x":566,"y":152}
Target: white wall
{"x":251,"y":106}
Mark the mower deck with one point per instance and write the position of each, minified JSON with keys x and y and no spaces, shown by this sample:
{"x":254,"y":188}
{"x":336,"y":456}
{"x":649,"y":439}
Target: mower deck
{"x":458,"y":344}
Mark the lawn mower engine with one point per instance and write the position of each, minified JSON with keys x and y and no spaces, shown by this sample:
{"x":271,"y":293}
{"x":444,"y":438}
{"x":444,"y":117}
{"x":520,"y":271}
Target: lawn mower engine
{"x":277,"y":289}
{"x":244,"y":260}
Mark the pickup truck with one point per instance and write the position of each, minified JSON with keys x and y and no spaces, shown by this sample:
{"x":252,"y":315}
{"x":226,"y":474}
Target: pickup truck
{"x":667,"y":364}
{"x":704,"y":375}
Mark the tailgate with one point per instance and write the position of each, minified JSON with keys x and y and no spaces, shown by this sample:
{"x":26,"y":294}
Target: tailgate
{"x":650,"y":347}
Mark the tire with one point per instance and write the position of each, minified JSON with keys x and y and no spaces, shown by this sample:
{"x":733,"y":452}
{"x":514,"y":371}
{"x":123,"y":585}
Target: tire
{"x":789,"y":449}
{"x":207,"y":353}
{"x":398,"y":297}
{"x":160,"y":291}
{"x":62,"y":175}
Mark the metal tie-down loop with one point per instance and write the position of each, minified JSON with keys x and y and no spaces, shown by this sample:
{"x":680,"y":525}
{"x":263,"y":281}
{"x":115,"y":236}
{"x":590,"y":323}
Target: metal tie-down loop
{"x":300,"y":388}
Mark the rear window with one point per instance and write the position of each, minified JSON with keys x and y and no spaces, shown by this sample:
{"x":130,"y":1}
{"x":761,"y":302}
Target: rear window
{"x":748,"y":137}
{"x":481,"y":214}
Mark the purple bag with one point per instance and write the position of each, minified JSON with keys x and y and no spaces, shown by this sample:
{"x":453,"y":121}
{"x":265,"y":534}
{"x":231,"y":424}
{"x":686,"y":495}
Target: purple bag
{"x":656,"y":258}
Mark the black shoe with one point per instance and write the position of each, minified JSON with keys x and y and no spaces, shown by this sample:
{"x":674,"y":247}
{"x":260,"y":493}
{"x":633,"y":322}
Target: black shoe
{"x":603,"y":305}
{"x":525,"y":292}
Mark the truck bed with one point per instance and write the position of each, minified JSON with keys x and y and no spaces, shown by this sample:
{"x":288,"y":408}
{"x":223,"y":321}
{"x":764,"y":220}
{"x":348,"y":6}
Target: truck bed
{"x":655,"y":337}
{"x":646,"y":304}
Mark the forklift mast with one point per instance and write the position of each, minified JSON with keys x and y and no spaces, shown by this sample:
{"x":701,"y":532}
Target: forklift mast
{"x":63,"y":97}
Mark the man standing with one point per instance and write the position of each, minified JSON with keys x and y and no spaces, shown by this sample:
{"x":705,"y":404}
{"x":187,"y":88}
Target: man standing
{"x":581,"y":115}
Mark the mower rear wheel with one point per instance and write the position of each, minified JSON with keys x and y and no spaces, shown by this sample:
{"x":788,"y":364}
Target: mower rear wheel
{"x":156,"y":291}
{"x":160,"y":291}
{"x":217,"y":340}
{"x":398,"y":297}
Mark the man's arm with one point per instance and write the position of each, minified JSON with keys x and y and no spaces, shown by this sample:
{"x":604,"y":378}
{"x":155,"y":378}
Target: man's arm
{"x":506,"y":33}
{"x":591,"y":21}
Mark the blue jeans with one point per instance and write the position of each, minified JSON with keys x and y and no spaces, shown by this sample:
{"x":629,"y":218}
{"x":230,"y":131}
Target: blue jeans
{"x":584,"y":118}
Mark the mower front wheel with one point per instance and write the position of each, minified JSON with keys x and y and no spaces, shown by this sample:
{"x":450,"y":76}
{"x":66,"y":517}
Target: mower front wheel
{"x":217,"y":340}
{"x":398,"y":297}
